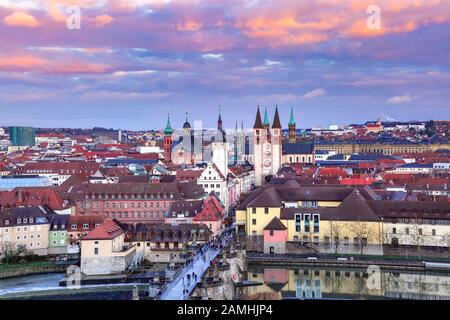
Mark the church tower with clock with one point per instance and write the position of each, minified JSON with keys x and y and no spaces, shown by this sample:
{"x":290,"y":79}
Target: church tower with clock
{"x":267,"y":148}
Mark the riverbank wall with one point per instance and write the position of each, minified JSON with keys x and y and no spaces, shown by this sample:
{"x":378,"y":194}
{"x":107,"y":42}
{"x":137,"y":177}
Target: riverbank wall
{"x":26,"y":270}
{"x":386,"y":264}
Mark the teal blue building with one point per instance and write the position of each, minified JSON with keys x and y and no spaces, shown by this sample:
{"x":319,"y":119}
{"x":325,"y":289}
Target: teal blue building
{"x":22,"y":136}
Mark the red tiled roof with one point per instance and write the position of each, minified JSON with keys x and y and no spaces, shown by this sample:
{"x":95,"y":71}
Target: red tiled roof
{"x":332,"y":172}
{"x":50,"y":135}
{"x":31,"y":196}
{"x":58,"y":167}
{"x":80,"y":220}
{"x":211,"y":211}
{"x":106,"y":231}
{"x":188,"y":174}
{"x":358,"y":181}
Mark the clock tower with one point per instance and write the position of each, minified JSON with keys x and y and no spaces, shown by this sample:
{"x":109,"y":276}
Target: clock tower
{"x":266,"y":147}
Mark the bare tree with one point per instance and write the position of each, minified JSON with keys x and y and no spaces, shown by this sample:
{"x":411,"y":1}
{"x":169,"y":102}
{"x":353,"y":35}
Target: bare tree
{"x":361,"y":232}
{"x":417,"y":237}
{"x":335,"y":232}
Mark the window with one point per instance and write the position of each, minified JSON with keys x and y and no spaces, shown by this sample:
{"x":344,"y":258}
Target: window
{"x":74,"y":227}
{"x":266,"y":210}
{"x":420,"y":231}
{"x":253,"y":210}
{"x":298,"y":221}
{"x":96,"y":251}
{"x":316,"y":220}
{"x":85,"y":226}
{"x":433,"y":232}
{"x":346,"y":241}
{"x":394,"y":230}
{"x":306,"y":218}
{"x":254,"y":221}
{"x":407,"y":230}
{"x":271,"y":233}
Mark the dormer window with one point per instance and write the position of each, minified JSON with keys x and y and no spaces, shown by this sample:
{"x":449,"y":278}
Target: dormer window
{"x":25,"y":220}
{"x":74,"y":227}
{"x":19,"y":221}
{"x":85,"y":226}
{"x":30,"y":220}
{"x":7,"y":222}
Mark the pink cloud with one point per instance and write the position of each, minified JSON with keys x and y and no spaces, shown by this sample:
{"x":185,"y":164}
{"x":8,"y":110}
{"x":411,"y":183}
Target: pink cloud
{"x":103,"y":20}
{"x":29,"y":63}
{"x":21,"y":19}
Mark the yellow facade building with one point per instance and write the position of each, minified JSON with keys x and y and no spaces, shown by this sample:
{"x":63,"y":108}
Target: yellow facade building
{"x":338,"y":220}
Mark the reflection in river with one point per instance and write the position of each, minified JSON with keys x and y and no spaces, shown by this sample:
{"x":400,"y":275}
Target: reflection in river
{"x":310,"y":283}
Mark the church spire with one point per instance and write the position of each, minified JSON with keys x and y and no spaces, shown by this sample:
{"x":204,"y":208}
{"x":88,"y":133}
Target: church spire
{"x":276,"y":120}
{"x":219,"y":121}
{"x":258,"y":122}
{"x":266,"y":119}
{"x":168,"y":130}
{"x":292,"y":120}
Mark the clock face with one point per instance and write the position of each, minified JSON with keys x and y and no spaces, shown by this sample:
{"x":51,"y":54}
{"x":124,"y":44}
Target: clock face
{"x":267,"y":163}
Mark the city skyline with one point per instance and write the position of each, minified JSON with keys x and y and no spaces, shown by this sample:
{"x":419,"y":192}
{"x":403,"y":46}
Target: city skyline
{"x":131,"y":61}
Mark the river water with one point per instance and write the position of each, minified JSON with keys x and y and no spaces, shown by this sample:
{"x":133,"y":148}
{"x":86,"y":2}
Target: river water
{"x":323,"y":283}
{"x":277,"y":283}
{"x":46,"y":286}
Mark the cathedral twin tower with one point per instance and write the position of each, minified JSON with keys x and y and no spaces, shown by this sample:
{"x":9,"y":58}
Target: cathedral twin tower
{"x":267,"y":145}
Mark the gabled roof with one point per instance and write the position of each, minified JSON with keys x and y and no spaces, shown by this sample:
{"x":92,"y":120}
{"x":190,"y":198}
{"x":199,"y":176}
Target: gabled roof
{"x":106,"y":231}
{"x":355,"y":207}
{"x":275,"y":224}
{"x":268,"y":198}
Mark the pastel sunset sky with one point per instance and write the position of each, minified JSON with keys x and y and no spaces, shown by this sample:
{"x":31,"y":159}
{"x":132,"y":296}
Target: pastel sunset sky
{"x":133,"y":60}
